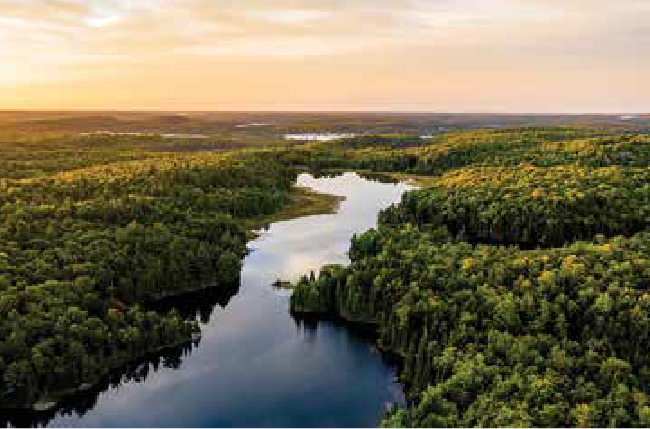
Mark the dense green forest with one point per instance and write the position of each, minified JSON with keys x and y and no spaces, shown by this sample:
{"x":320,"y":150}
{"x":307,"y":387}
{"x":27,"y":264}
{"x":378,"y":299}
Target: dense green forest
{"x":198,"y":305}
{"x":89,"y":237}
{"x":514,"y":285}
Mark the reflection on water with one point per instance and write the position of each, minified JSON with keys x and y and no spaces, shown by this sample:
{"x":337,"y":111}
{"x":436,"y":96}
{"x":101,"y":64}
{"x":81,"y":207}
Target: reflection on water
{"x":255,"y":366}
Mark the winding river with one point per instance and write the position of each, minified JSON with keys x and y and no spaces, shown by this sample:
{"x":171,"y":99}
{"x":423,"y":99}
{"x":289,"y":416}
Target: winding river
{"x":256,"y":366}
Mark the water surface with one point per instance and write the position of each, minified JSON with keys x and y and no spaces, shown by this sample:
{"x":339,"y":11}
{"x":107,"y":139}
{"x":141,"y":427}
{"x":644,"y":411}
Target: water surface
{"x":255,"y":365}
{"x":321,"y":137}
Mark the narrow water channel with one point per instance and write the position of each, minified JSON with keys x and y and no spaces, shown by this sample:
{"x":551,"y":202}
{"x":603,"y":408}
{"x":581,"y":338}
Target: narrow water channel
{"x":256,"y":366}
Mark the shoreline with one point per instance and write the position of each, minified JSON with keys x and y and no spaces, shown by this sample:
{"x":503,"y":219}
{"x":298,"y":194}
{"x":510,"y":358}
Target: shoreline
{"x":303,"y":202}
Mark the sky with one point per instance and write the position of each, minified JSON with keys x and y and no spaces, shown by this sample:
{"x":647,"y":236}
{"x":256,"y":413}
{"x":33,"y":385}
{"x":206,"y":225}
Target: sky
{"x":532,"y":56}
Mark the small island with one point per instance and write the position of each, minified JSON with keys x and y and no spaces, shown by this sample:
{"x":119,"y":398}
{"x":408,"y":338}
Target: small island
{"x":282,"y":284}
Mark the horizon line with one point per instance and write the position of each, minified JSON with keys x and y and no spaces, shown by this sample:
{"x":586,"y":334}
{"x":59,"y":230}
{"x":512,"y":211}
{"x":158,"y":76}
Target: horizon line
{"x":163,"y":110}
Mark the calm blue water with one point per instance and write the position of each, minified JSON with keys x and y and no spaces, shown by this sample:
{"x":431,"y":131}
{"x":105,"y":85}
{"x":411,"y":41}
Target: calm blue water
{"x":255,"y":365}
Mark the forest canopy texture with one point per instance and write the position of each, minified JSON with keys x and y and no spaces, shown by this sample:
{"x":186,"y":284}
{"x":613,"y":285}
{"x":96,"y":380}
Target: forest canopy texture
{"x":514,"y":286}
{"x":89,"y":237}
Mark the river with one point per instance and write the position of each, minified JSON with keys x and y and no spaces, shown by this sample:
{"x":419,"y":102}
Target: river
{"x":256,"y":366}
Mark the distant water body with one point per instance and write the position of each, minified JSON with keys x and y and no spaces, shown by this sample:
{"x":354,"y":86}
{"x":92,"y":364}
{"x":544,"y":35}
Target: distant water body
{"x":255,"y":365}
{"x":323,"y":137}
{"x":318,"y":137}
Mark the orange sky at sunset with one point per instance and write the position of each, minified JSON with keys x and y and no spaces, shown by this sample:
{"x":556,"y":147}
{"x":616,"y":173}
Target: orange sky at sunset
{"x":404,"y":55}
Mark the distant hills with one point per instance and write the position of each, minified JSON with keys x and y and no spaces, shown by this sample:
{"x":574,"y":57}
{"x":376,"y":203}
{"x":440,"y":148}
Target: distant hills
{"x":274,"y":123}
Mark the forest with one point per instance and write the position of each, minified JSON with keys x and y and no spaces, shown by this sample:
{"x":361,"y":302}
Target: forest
{"x":514,"y":285}
{"x":89,"y":237}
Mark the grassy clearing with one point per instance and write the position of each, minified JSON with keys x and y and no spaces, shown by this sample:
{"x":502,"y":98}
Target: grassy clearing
{"x":304,"y":202}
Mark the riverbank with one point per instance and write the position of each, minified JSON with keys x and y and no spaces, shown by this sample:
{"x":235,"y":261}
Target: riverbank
{"x":541,"y":326}
{"x":303,"y":202}
{"x":252,"y":350}
{"x":419,"y":180}
{"x":50,"y":401}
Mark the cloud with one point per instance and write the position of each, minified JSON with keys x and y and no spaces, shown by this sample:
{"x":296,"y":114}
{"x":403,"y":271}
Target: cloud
{"x":357,"y":46}
{"x":218,"y":27}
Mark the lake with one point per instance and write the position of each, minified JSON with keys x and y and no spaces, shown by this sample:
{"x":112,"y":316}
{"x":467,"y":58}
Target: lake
{"x":255,"y":365}
{"x":322,"y":137}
